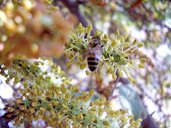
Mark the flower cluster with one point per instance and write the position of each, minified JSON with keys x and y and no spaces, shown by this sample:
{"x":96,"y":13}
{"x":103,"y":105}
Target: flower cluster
{"x":117,"y":53}
{"x":119,"y":56}
{"x":77,"y":46}
{"x":31,"y":29}
{"x":62,"y":104}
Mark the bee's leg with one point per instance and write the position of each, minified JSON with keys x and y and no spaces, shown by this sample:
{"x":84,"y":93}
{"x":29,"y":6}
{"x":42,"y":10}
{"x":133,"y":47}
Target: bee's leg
{"x":99,"y":71}
{"x":98,"y":77}
{"x":85,"y":55}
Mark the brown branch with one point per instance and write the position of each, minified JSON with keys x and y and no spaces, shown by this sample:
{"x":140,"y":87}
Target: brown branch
{"x":135,"y":4}
{"x":73,"y":7}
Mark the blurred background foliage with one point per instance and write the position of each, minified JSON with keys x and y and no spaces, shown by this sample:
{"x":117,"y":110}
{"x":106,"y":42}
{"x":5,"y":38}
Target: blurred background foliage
{"x":32,"y":29}
{"x":42,"y":28}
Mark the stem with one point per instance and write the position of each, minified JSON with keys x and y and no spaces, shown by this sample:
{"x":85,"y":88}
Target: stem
{"x":73,"y":7}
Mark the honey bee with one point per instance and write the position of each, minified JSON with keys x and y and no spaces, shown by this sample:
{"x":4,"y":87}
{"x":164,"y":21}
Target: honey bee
{"x":94,"y":53}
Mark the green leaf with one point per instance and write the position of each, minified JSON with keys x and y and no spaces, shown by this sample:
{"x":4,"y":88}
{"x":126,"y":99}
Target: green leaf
{"x":130,"y":100}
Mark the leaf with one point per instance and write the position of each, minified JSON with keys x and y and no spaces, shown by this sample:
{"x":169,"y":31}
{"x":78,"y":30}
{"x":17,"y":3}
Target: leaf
{"x":130,"y":100}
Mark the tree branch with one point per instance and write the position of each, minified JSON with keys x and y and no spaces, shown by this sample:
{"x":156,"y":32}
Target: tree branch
{"x":73,"y":7}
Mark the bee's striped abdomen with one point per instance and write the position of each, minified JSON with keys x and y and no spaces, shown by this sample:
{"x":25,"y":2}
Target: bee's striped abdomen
{"x":92,"y":62}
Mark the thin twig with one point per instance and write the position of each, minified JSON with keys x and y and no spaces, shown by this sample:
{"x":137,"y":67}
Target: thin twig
{"x":73,"y":7}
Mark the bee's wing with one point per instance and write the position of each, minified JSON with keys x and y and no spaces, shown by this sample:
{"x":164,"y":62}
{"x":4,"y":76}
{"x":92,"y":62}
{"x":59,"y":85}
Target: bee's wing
{"x":98,"y":53}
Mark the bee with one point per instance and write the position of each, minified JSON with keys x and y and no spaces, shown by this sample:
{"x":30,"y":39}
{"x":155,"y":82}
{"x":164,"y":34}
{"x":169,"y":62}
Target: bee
{"x":94,"y":53}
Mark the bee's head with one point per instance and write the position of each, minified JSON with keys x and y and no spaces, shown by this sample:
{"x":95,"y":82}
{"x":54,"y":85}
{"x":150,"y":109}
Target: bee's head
{"x":95,"y":41}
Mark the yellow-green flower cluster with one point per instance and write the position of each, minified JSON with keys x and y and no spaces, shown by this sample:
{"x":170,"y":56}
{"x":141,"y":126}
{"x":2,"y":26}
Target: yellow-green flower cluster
{"x":77,"y":46}
{"x":118,"y":53}
{"x":35,"y":72}
{"x":61,"y":105}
